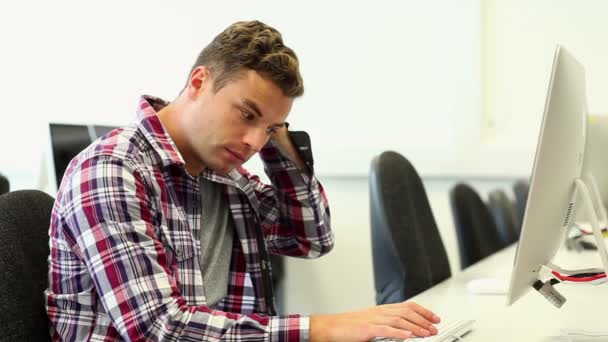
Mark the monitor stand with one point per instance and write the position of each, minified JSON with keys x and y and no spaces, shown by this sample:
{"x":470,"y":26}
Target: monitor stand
{"x":596,"y":214}
{"x":598,"y":205}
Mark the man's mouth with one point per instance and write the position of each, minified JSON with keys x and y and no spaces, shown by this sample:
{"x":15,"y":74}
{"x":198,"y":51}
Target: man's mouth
{"x":236,"y":155}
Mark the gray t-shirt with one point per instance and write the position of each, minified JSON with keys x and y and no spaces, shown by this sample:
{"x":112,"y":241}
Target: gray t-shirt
{"x":217,"y":231}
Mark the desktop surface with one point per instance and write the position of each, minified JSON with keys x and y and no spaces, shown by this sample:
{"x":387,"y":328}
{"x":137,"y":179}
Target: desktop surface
{"x":532,"y":318}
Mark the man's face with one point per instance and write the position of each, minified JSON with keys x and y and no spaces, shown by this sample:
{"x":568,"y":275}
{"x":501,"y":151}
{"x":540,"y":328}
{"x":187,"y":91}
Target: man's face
{"x":225,"y":129}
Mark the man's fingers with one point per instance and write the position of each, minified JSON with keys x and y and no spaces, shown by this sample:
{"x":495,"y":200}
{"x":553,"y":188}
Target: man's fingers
{"x":406,"y":317}
{"x":415,"y":318}
{"x":424,"y":312}
{"x":389,"y":332}
{"x":403,"y":324}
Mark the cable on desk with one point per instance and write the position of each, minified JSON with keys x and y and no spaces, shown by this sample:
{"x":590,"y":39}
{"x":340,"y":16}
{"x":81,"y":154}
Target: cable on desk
{"x":586,"y":277}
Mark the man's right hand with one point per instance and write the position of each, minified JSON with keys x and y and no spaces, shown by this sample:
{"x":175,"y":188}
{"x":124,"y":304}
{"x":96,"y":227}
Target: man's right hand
{"x":398,"y":321}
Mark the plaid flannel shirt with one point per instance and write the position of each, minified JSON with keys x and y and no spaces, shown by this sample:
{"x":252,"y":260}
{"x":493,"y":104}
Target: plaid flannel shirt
{"x":124,"y":242}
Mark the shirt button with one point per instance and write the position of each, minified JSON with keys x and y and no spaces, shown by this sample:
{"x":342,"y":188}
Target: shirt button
{"x":178,"y":252}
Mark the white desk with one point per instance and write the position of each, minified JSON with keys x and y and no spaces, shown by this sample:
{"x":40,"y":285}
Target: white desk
{"x":532,"y":318}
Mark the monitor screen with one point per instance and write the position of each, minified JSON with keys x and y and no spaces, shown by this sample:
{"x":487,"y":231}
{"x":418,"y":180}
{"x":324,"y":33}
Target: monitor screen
{"x":66,"y":142}
{"x":100,"y":131}
{"x":596,"y":162}
{"x":558,"y":163}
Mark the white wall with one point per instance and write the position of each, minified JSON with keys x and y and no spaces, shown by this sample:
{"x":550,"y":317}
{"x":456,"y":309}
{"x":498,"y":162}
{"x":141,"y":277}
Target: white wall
{"x":519,"y":39}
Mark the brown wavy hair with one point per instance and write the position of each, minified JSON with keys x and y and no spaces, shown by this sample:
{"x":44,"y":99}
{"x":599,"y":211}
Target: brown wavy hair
{"x":256,"y":46}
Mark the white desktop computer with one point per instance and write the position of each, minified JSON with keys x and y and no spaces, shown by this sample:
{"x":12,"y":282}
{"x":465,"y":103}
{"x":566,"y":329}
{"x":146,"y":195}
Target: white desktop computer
{"x":560,"y":186}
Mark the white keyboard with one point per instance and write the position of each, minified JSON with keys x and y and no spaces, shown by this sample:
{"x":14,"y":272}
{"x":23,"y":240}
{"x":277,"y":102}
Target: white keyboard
{"x":447,"y":332}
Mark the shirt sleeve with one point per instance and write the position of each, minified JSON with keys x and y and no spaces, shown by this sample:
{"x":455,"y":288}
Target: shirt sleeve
{"x":293,"y":209}
{"x":107,"y":221}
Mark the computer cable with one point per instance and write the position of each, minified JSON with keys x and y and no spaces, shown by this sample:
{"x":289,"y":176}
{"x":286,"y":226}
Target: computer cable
{"x":587,"y":275}
{"x":589,"y":232}
{"x":590,"y":278}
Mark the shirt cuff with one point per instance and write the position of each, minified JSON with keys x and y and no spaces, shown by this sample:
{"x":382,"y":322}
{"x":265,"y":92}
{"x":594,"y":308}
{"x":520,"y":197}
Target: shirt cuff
{"x":289,"y":328}
{"x":277,"y":162}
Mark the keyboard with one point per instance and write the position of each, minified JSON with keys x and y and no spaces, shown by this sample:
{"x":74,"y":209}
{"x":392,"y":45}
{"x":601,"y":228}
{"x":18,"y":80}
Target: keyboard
{"x":447,"y":332}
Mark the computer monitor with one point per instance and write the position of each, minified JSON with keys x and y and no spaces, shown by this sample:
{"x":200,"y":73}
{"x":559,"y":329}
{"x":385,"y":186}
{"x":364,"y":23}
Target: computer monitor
{"x":66,"y":141}
{"x":596,"y":162}
{"x":557,"y":180}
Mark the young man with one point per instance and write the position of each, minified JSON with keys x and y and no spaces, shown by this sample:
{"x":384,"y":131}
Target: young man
{"x":159,"y":234}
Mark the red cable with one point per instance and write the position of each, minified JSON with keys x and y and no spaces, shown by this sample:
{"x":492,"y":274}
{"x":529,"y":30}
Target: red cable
{"x":579,"y":280}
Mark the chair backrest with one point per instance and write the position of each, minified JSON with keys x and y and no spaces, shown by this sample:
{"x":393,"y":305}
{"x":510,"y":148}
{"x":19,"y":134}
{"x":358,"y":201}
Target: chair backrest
{"x":505,"y":216}
{"x":475,"y":228}
{"x":408,"y":254}
{"x":24,"y":248}
{"x":4,"y":185}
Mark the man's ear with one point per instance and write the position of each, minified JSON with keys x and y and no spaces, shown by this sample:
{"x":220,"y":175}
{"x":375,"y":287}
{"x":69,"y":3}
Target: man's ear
{"x":200,"y":81}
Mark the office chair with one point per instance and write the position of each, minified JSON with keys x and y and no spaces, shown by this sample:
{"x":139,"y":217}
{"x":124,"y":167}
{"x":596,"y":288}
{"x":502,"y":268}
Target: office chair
{"x":505,"y":216}
{"x":475,"y":228}
{"x":4,"y":185}
{"x":24,"y":247}
{"x":408,"y":254}
{"x":520,"y":189}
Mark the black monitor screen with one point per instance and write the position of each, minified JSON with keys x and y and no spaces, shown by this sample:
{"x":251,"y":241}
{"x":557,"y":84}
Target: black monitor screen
{"x":102,"y":130}
{"x":69,"y":140}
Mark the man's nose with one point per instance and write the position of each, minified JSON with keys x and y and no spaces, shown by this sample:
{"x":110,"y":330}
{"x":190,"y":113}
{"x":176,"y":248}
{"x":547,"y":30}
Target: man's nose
{"x":256,"y":138}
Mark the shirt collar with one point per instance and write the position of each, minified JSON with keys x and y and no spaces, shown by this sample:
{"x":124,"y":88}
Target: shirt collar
{"x":154,"y":132}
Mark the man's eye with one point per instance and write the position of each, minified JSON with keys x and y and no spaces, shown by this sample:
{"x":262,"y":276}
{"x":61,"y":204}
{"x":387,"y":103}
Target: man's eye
{"x":271,"y":130}
{"x":247,"y":116}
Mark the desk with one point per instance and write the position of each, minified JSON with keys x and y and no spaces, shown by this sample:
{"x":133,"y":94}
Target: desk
{"x":532,"y":318}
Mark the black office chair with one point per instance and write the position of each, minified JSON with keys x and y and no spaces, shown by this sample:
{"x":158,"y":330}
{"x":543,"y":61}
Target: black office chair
{"x":520,"y":190}
{"x":408,"y":254}
{"x":24,"y":248}
{"x":4,"y":185}
{"x":505,"y":216}
{"x":475,"y":228}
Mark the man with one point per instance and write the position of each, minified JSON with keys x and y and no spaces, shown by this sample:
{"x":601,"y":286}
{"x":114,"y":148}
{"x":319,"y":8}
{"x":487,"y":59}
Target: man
{"x":159,"y":234}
